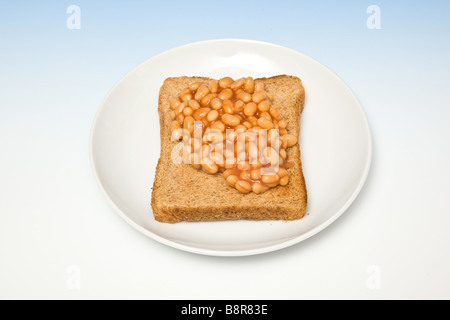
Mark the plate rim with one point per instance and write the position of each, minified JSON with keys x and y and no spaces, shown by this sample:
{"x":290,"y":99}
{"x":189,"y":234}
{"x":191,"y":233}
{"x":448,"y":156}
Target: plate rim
{"x":240,"y":252}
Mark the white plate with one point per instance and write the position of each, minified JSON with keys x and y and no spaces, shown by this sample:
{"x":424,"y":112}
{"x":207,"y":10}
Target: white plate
{"x":334,"y":139}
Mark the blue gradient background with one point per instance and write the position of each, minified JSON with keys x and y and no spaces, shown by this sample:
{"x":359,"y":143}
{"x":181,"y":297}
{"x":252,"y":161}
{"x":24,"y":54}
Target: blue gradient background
{"x":53,"y":80}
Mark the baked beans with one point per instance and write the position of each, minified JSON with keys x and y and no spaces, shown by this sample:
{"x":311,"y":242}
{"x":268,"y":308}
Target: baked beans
{"x":235,"y":119}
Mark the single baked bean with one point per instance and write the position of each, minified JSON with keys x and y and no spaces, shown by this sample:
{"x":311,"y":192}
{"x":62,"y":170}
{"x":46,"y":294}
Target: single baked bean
{"x":210,"y":168}
{"x":256,"y":163}
{"x":275,"y":125}
{"x":272,"y":178}
{"x":259,"y":86}
{"x":225,"y":94}
{"x":232,"y":179}
{"x":237,"y":84}
{"x":282,"y":172}
{"x":243,"y":186}
{"x":206,"y":153}
{"x":186,"y":136}
{"x":194,"y":86}
{"x":256,"y":174}
{"x":219,"y":146}
{"x":187,"y":111}
{"x":282,"y":124}
{"x":216,"y":103}
{"x":229,"y":153}
{"x":253,"y":151}
{"x":281,"y":161}
{"x":253,"y":120}
{"x":206,"y":138}
{"x":207,"y":99}
{"x":250,"y":109}
{"x":284,"y":180}
{"x":265,"y":115}
{"x":193,"y":104}
{"x":174,"y":102}
{"x":240,"y":141}
{"x":274,"y":113}
{"x":245,"y":175}
{"x":230,"y":120}
{"x":214,"y":136}
{"x":289,"y":164}
{"x":232,"y":135}
{"x":247,"y":124}
{"x":290,"y":139}
{"x":197,"y":145}
{"x":283,"y":153}
{"x":212,"y":115}
{"x":172,"y":115}
{"x":227,"y":173}
{"x":240,"y":127}
{"x":258,"y":96}
{"x":186,"y":97}
{"x":204,"y":124}
{"x":202,"y":91}
{"x":271,"y":155}
{"x":185,"y":91}
{"x":228,"y":106}
{"x":175,"y":125}
{"x":244,"y":96}
{"x":244,"y":165}
{"x":265,"y":124}
{"x":180,"y":108}
{"x":189,"y":124}
{"x":214,"y":86}
{"x":217,"y":157}
{"x":177,"y":134}
{"x":264,"y":105}
{"x":201,"y":113}
{"x":218,"y":125}
{"x":242,"y":156}
{"x":230,"y":162}
{"x":275,"y":142}
{"x":262,"y":137}
{"x":247,"y":142}
{"x":258,"y":187}
{"x":187,"y":151}
{"x":283,"y":142}
{"x":249,"y":85}
{"x":239,"y":106}
{"x":272,"y":185}
{"x":225,"y":82}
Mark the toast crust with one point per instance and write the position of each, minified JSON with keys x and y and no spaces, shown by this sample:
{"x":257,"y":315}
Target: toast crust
{"x":183,"y":193}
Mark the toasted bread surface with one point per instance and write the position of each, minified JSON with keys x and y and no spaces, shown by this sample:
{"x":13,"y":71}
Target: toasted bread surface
{"x":183,"y":193}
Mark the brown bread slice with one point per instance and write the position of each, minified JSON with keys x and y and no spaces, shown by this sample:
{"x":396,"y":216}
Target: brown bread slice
{"x":182,"y":193}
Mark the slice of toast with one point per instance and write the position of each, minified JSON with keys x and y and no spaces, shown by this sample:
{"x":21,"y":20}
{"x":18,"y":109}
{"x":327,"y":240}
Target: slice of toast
{"x":183,"y":193}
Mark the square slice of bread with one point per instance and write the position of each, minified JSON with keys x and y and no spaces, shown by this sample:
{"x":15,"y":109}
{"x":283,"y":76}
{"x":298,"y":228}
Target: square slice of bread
{"x":183,"y":193}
